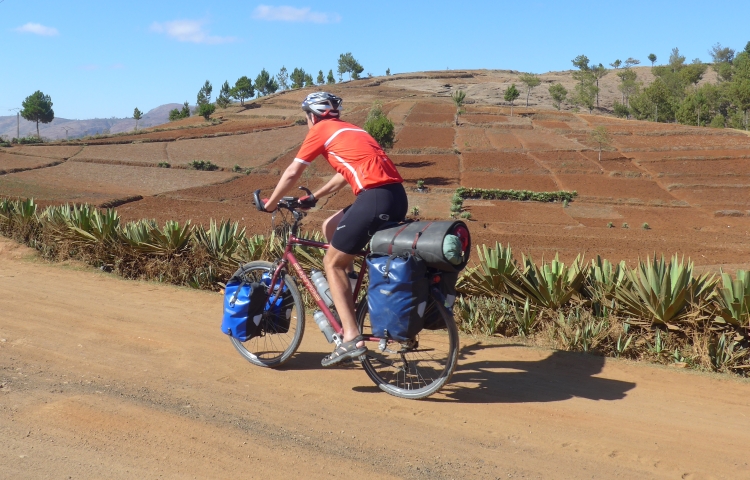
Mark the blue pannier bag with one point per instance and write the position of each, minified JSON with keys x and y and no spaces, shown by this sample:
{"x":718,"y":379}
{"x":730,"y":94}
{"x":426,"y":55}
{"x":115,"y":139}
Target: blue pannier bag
{"x":445,"y":283}
{"x":243,"y":308}
{"x":278,"y":307}
{"x":397,"y":295}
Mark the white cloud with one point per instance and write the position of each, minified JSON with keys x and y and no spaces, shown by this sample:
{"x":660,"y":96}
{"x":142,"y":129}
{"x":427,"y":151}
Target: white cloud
{"x":38,"y":29}
{"x":189,"y":31}
{"x":292,"y":14}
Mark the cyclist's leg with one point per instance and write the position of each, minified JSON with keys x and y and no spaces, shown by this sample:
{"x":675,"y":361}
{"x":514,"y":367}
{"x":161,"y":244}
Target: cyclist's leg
{"x":336,"y":263}
{"x":330,"y":224}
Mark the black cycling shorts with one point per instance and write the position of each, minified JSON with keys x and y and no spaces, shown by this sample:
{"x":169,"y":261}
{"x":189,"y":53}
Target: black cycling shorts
{"x":370,"y":211}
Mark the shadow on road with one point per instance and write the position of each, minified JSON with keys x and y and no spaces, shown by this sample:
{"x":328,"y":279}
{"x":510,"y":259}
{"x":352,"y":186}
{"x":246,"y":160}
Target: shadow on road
{"x":560,"y":376}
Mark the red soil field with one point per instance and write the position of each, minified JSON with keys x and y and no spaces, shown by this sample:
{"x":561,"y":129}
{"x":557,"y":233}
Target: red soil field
{"x":706,"y":154}
{"x":424,"y":137}
{"x":251,"y":150}
{"x":399,"y":111}
{"x":538,"y":183}
{"x":472,"y":139}
{"x":502,"y":162}
{"x":551,"y":124}
{"x":724,"y":196}
{"x":682,"y":142}
{"x":58,"y":152}
{"x":96,"y":183}
{"x":435,"y":170}
{"x":430,"y":118}
{"x":518,"y":212}
{"x":480,"y":119}
{"x":614,"y":189}
{"x":567,"y":162}
{"x":434,"y":108}
{"x":15,"y":163}
{"x":740,"y":167}
{"x":501,"y":139}
{"x":541,"y":140}
{"x":140,"y":153}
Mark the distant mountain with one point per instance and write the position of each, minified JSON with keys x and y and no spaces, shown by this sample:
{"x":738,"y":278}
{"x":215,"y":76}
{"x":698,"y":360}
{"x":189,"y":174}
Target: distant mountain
{"x":80,"y":128}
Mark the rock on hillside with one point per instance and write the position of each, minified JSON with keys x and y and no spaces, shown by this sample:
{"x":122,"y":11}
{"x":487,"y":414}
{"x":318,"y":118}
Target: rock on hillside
{"x":79,"y":128}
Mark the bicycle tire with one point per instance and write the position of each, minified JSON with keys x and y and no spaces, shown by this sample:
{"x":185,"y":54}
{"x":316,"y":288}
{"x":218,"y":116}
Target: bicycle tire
{"x":401,"y":374}
{"x":274,"y":349}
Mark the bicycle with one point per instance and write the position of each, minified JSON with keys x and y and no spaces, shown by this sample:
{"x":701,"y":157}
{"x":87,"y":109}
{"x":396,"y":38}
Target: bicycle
{"x":410,"y":369}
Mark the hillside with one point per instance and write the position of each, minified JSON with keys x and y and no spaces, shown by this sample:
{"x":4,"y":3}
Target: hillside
{"x":55,"y":130}
{"x":690,"y":186}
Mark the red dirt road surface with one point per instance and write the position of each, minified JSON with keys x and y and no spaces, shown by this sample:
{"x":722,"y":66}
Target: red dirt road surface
{"x":148,"y":386}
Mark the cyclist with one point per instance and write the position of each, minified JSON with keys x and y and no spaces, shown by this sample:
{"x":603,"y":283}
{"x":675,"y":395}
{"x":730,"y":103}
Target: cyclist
{"x":363,"y":165}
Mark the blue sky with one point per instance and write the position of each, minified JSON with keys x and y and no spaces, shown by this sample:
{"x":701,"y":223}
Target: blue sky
{"x":104,"y":58}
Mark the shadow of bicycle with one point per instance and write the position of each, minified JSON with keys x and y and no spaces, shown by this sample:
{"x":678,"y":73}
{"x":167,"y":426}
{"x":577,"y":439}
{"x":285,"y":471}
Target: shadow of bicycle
{"x":560,"y":376}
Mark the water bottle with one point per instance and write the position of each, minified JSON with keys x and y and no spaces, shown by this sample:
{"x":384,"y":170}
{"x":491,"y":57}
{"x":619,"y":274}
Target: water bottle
{"x":321,"y":284}
{"x":324,"y":325}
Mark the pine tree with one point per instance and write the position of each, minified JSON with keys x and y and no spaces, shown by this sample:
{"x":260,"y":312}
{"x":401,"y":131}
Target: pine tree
{"x":37,"y":107}
{"x":330,"y":80}
{"x":283,"y":78}
{"x":531,"y":81}
{"x":223,"y":99}
{"x":511,"y":94}
{"x":243,"y":89}
{"x":137,"y":115}
{"x":321,"y":79}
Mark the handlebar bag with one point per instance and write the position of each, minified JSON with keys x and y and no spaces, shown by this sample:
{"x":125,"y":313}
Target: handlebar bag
{"x":244,"y":303}
{"x":397,"y":295}
{"x":446,"y":285}
{"x":444,"y":245}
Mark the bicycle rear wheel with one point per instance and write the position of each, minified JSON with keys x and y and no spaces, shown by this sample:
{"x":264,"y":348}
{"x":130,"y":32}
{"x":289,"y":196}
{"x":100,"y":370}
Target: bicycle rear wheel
{"x":272,"y":349}
{"x":416,"y":368}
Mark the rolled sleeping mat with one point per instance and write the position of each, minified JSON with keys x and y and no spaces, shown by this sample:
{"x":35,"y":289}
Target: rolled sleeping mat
{"x":445,"y":245}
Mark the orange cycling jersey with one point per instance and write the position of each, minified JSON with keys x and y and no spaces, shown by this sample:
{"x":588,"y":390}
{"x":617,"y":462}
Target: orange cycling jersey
{"x":352,"y":152}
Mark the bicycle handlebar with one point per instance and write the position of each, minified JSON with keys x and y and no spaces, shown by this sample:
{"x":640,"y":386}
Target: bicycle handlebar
{"x":289,"y":203}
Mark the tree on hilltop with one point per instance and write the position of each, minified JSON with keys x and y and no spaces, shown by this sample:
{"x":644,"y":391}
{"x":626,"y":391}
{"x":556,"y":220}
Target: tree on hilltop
{"x":321,"y":79}
{"x":511,"y":94}
{"x":225,"y":93}
{"x":558,"y":94}
{"x":598,"y":72}
{"x":330,"y":80}
{"x":652,"y":58}
{"x":309,"y":80}
{"x":204,"y":94}
{"x":243,"y":88}
{"x":206,"y":110}
{"x":616,"y":64}
{"x":283,"y":79}
{"x":458,"y":97}
{"x":347,"y":64}
{"x":530,"y":80}
{"x":185,"y":112}
{"x":137,"y":115}
{"x":37,"y":107}
{"x":298,"y":78}
{"x":265,"y":84}
{"x":631,"y":62}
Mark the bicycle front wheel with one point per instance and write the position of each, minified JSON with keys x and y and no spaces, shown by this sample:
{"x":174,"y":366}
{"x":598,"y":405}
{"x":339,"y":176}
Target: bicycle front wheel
{"x":273,"y":348}
{"x":416,"y":368}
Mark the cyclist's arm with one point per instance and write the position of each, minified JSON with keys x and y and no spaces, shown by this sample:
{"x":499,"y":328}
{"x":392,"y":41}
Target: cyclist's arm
{"x":288,"y":179}
{"x":333,"y":185}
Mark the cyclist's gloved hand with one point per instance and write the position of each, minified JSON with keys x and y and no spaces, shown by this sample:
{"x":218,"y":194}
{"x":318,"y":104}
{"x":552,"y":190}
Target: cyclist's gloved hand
{"x":264,"y":202}
{"x":308,"y":201}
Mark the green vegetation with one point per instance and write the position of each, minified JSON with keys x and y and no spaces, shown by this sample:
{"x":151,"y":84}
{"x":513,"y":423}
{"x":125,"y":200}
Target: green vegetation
{"x":225,"y":96}
{"x":206,"y":110}
{"x":137,"y":115}
{"x":658,"y":311}
{"x":600,"y":136}
{"x":511,"y":94}
{"x":243,"y":88}
{"x":559,"y":94}
{"x":420,"y":184}
{"x":646,"y":226}
{"x":204,"y":165}
{"x":204,"y":94}
{"x":37,"y":107}
{"x":164,"y":165}
{"x":458,"y":97}
{"x":265,"y":84}
{"x":531,"y":81}
{"x":175,"y":114}
{"x":283,"y":78}
{"x":347,"y":64}
{"x":380,"y":126}
{"x":330,"y":80}
{"x":520,"y":195}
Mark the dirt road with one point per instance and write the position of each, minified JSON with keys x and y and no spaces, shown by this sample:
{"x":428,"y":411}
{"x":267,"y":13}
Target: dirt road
{"x":105,"y":378}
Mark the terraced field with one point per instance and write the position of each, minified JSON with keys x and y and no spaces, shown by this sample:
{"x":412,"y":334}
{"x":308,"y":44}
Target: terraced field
{"x":690,"y":185}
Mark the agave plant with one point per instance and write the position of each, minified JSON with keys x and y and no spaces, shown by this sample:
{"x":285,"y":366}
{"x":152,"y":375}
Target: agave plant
{"x":221,"y":242}
{"x":90,"y":225}
{"x":492,"y":277}
{"x":733,"y":299}
{"x":659,"y":292}
{"x":552,"y":285}
{"x":601,"y":282}
{"x":727,"y":354}
{"x":526,"y":318}
{"x":146,"y":237}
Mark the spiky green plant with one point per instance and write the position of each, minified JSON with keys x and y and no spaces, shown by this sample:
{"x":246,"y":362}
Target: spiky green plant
{"x":221,"y":241}
{"x":726,"y":353}
{"x":526,"y":318}
{"x":659,"y":292}
{"x":496,"y":269}
{"x":733,"y":299}
{"x":552,"y":285}
{"x":601,"y":282}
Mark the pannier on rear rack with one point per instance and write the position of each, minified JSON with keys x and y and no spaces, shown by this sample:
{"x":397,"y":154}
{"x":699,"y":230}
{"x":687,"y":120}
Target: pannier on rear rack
{"x":443,"y":247}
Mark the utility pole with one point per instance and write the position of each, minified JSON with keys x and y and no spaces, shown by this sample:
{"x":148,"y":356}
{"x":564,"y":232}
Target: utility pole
{"x":66,"y":133}
{"x":18,"y":121}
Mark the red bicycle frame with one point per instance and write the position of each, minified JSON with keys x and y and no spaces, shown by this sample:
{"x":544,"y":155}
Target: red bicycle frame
{"x":289,"y":258}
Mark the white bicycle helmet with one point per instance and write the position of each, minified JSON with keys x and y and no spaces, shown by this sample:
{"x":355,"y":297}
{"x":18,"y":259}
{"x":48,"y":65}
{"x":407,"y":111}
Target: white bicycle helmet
{"x":323,"y":105}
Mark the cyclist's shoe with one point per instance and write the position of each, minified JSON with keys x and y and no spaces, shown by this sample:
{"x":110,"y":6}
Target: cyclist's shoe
{"x":347,"y":350}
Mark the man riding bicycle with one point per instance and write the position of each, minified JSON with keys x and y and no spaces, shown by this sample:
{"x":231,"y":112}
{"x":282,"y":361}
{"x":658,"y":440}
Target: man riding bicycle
{"x":362,"y":164}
